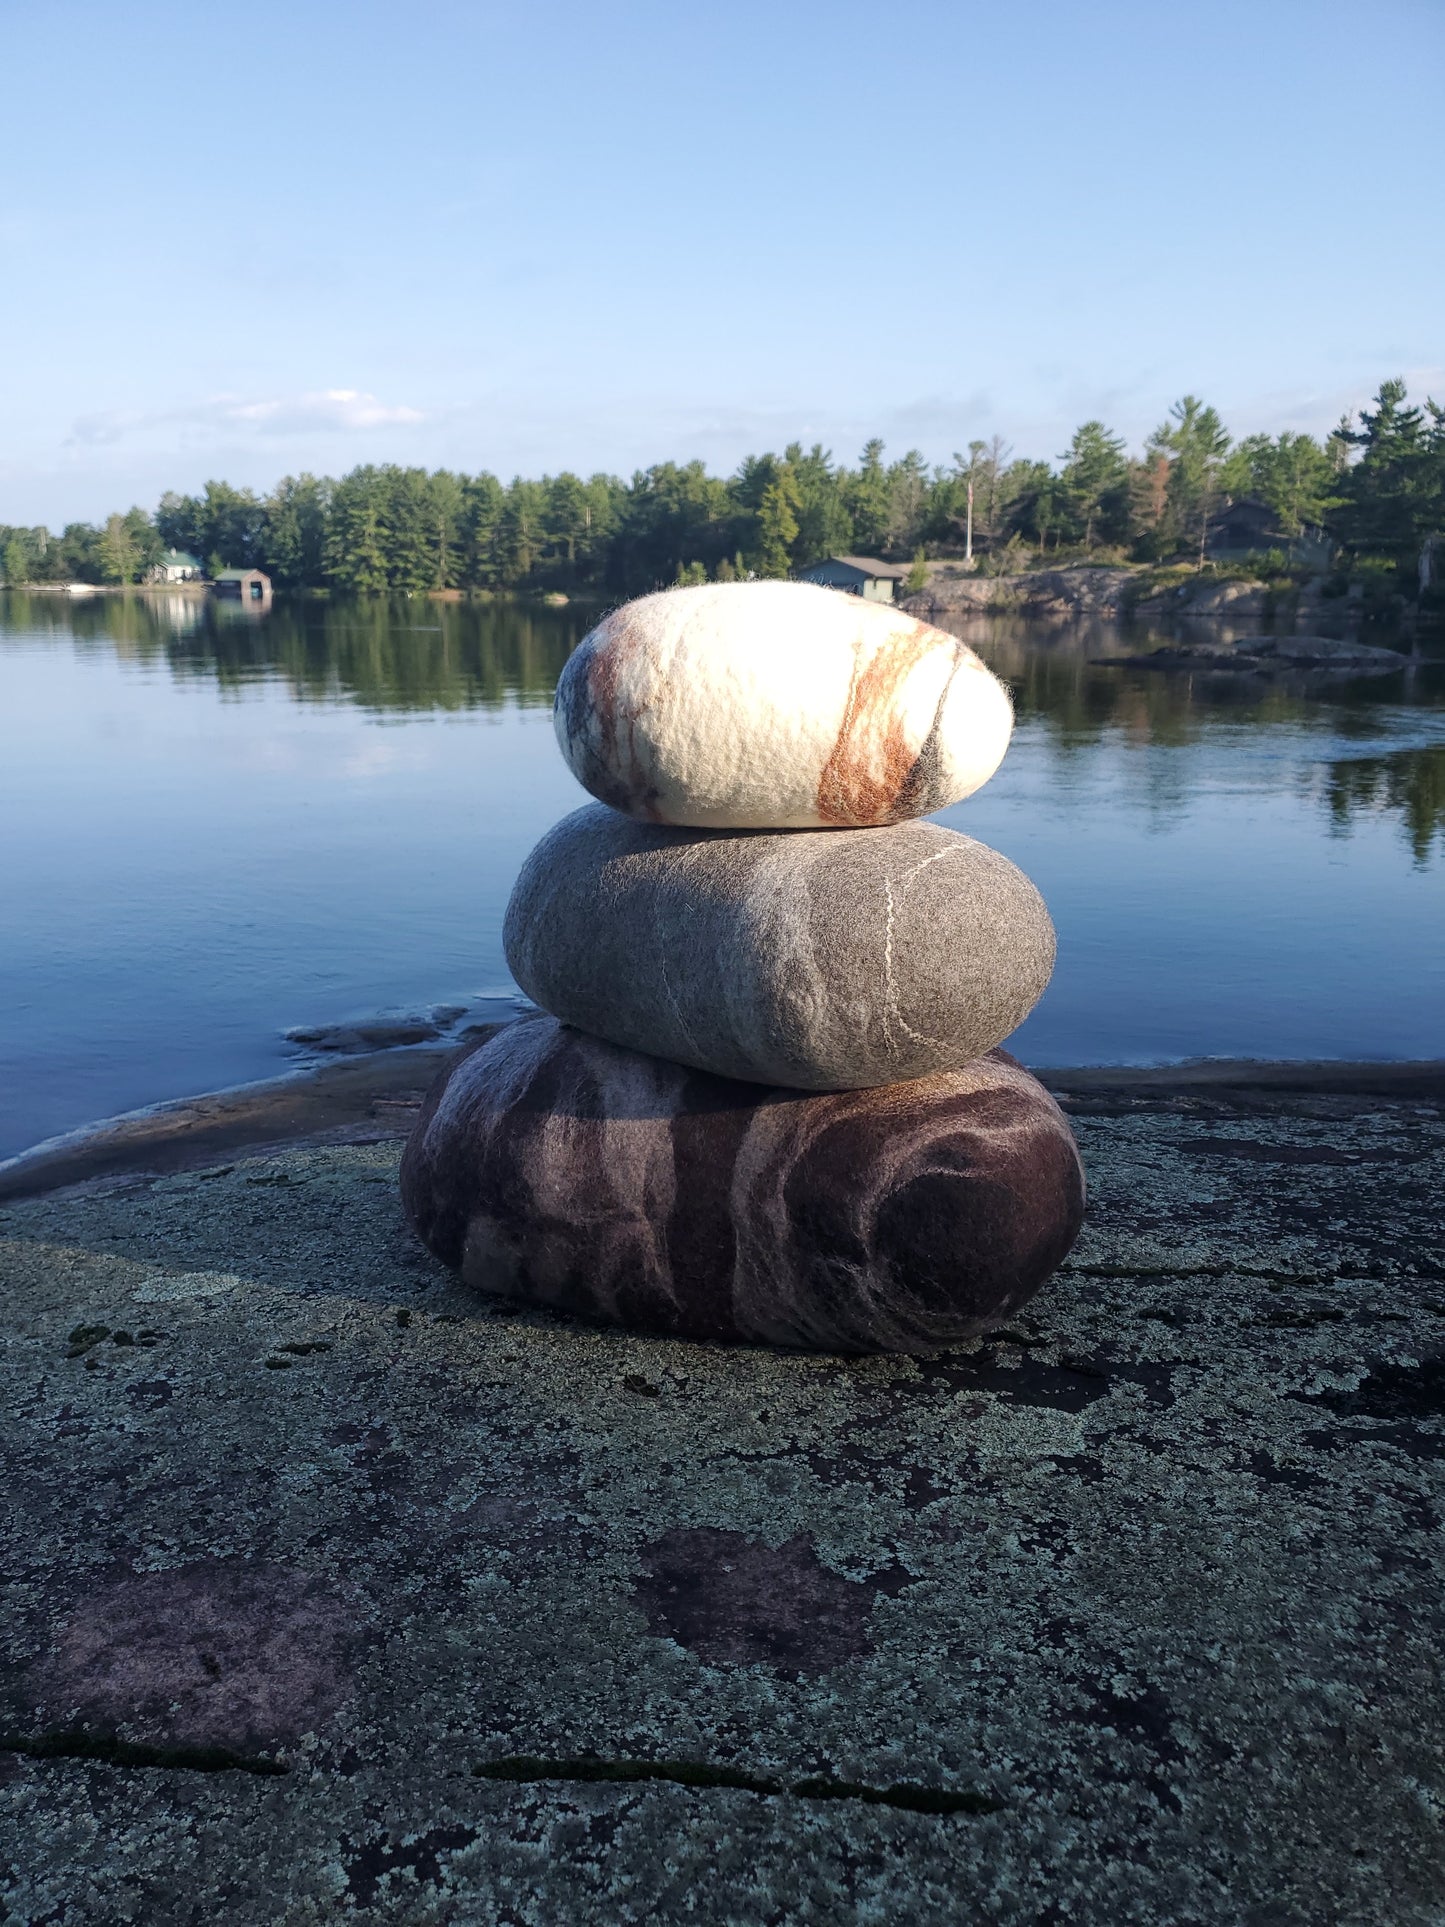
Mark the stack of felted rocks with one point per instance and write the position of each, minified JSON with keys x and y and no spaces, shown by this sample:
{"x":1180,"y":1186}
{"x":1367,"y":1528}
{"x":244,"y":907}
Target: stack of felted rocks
{"x":767,"y":1103}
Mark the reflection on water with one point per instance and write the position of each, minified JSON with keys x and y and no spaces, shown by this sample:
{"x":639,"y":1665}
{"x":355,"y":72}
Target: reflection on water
{"x":223,"y":824}
{"x":399,"y":653}
{"x":1062,"y":681}
{"x":1408,"y":783}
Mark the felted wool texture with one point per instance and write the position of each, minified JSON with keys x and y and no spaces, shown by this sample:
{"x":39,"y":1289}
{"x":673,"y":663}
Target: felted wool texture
{"x":554,"y":1169}
{"x":820,"y":959}
{"x":777,"y":705}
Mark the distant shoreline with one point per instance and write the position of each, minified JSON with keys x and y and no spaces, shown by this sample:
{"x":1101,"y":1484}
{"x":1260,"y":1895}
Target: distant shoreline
{"x":203,"y":591}
{"x":1079,"y":590}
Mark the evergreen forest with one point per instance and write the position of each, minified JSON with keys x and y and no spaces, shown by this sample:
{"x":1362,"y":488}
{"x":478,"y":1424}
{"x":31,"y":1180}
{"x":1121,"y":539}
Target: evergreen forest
{"x":1376,"y":486}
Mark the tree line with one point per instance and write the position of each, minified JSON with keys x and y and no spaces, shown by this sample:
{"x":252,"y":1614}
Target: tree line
{"x":1376,"y":485}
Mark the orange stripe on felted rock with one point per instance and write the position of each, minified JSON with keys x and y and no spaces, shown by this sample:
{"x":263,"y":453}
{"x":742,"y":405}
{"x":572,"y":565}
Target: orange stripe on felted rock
{"x":777,"y":705}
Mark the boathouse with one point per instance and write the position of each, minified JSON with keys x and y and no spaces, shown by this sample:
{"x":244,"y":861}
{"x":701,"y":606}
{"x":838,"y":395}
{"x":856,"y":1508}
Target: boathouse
{"x":862,"y":575}
{"x":243,"y":585}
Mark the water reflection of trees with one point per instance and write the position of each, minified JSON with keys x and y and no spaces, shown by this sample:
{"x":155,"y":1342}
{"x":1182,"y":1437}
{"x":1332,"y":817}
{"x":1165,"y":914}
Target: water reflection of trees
{"x":1063,"y":676}
{"x":410,"y":654}
{"x":1062,"y":682}
{"x":1409,"y":783}
{"x":396,"y":654}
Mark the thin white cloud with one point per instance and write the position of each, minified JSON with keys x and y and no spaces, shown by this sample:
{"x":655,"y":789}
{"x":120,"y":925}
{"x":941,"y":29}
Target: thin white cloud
{"x":329,"y":408}
{"x":325,"y":410}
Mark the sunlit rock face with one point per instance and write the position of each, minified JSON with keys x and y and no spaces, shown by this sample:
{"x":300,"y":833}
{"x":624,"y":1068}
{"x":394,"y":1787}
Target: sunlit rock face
{"x":825,"y":960}
{"x":777,"y":705}
{"x":553,"y":1169}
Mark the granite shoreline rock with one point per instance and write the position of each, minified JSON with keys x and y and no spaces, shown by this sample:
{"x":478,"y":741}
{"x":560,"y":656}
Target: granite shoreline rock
{"x":1155,"y":1564}
{"x":777,"y":705}
{"x":823,"y":960}
{"x":552,"y":1168}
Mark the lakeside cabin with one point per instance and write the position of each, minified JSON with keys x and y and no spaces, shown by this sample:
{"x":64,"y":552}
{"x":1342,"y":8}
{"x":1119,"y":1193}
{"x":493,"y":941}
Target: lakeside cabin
{"x":861,"y":575}
{"x":1244,"y":527}
{"x":175,"y":566}
{"x":242,"y":585}
{"x":1248,"y":527}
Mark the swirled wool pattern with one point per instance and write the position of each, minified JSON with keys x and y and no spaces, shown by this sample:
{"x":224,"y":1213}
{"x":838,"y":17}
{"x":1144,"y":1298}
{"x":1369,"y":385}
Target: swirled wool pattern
{"x":554,"y":1169}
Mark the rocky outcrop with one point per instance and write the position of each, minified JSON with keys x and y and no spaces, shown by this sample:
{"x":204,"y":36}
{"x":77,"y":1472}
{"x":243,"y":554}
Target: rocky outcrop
{"x":1268,"y":655}
{"x":1204,"y":597}
{"x":338,"y":1594}
{"x":1036,"y":592}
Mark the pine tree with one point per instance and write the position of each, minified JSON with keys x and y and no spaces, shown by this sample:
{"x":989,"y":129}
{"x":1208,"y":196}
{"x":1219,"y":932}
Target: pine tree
{"x":778,"y":524}
{"x":867,"y":496}
{"x":1394,"y":494}
{"x":355,"y":538}
{"x":824,"y":525}
{"x":1292,"y":473}
{"x":521,"y":532}
{"x":1093,"y":484}
{"x":482,"y":496}
{"x":407,"y":530}
{"x":565,"y":519}
{"x":294,"y":542}
{"x":907,"y":501}
{"x":445,"y":504}
{"x":1195,"y":442}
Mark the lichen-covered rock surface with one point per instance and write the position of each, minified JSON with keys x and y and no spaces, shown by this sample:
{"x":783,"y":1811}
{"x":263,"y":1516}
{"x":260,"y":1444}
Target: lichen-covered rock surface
{"x":828,"y":960}
{"x":557,"y":1171}
{"x":333,"y":1596}
{"x":777,"y":705}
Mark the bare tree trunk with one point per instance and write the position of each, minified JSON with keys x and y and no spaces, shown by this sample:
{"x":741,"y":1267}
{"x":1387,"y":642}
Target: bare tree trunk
{"x":968,"y":536}
{"x":1429,"y":564}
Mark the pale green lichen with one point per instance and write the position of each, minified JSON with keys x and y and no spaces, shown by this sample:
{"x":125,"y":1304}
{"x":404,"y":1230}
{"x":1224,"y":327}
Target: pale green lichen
{"x":1153,"y":1573}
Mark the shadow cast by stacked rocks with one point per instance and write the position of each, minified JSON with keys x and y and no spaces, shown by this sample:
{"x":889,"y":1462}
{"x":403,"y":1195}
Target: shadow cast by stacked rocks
{"x":767,"y":1103}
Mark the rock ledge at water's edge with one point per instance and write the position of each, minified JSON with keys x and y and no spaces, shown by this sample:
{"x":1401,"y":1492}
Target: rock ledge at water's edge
{"x":1082,"y":591}
{"x":337,"y":1594}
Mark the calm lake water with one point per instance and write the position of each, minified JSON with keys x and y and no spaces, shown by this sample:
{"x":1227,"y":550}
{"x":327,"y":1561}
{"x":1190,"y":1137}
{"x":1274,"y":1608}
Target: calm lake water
{"x":219,"y":826}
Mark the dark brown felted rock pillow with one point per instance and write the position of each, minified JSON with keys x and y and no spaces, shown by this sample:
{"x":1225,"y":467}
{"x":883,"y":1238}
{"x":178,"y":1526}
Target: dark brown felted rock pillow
{"x":557,"y":1170}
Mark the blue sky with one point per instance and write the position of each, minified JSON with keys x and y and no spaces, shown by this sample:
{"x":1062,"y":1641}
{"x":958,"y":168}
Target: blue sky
{"x":247,"y":241}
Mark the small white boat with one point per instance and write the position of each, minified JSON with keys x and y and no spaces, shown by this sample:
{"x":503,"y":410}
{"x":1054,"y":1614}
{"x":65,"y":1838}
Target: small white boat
{"x":81,"y":588}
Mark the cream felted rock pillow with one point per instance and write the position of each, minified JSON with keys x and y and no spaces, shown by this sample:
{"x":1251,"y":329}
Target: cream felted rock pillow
{"x":777,"y":705}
